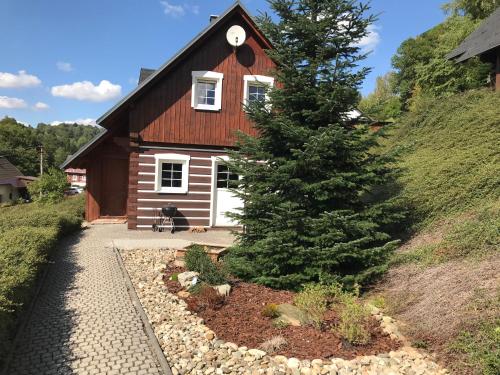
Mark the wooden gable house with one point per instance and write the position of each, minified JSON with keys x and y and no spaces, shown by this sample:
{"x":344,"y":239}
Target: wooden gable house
{"x":484,"y":42}
{"x":163,"y":143}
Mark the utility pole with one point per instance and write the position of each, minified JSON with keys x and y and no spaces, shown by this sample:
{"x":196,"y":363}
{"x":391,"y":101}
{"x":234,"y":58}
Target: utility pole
{"x":41,"y":160}
{"x":40,"y":148}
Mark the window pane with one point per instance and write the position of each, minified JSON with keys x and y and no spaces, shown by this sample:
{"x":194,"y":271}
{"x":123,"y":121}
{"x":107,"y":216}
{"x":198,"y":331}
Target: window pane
{"x":221,"y":168}
{"x":206,"y":92}
{"x":171,"y":174}
{"x":256,"y":93}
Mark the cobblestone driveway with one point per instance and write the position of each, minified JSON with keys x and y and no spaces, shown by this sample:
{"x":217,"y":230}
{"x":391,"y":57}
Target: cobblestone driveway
{"x":84,"y":321}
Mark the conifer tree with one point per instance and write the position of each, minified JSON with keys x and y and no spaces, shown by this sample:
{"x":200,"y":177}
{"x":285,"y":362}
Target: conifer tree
{"x":307,"y":178}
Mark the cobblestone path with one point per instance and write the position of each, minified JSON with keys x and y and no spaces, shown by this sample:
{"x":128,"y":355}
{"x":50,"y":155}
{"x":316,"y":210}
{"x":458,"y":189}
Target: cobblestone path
{"x":84,"y":321}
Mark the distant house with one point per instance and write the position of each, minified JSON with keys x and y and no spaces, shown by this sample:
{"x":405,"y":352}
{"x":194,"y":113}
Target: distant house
{"x":12,"y":182}
{"x":483,"y":42}
{"x":76,"y":176}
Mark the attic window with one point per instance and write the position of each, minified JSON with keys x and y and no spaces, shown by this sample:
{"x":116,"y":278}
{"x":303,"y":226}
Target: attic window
{"x":206,"y":92}
{"x":255,"y":88}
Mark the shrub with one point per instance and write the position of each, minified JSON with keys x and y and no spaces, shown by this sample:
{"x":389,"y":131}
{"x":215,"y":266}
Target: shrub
{"x":174,"y":277}
{"x":279,"y":323}
{"x":49,"y":187}
{"x":197,"y":260}
{"x":28,"y":233}
{"x":22,"y":251}
{"x":353,"y":317}
{"x":312,"y":299}
{"x":270,"y":311}
{"x":273,"y":345}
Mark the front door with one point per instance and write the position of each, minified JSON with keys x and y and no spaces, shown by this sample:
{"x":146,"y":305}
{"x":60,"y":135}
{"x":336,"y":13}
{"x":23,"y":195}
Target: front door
{"x":224,"y":199}
{"x":114,"y":187}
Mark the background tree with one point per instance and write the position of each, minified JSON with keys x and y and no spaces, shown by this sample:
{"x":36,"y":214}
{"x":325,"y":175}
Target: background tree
{"x":49,"y":187}
{"x":18,"y":143}
{"x":475,"y":9}
{"x":306,"y":178}
{"x":421,"y":66}
{"x":382,"y":103}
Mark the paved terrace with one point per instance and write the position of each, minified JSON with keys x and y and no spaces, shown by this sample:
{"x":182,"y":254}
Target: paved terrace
{"x":84,"y":320}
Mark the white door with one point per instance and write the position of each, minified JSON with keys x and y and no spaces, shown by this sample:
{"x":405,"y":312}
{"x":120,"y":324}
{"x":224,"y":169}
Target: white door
{"x":224,"y":200}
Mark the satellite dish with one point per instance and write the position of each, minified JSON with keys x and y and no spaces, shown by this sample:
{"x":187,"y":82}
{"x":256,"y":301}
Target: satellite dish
{"x":236,"y":36}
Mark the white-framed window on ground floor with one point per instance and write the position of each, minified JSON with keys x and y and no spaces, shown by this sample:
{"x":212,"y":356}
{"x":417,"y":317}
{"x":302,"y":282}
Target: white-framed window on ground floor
{"x":172,"y":173}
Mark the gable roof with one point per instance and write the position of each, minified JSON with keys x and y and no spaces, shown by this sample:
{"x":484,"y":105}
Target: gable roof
{"x":183,"y":52}
{"x":485,"y":38}
{"x":7,"y":169}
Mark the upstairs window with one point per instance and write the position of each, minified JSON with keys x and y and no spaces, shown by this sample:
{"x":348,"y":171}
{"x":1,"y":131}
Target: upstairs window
{"x":255,"y":88}
{"x":171,"y":173}
{"x":206,"y":92}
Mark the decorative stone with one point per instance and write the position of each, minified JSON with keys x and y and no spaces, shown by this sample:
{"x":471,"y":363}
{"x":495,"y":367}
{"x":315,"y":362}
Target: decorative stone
{"x":183,"y":294}
{"x":209,"y":335}
{"x":257,"y":353}
{"x":292,"y":315}
{"x":223,"y":289}
{"x":293,"y":363}
{"x":186,"y":278}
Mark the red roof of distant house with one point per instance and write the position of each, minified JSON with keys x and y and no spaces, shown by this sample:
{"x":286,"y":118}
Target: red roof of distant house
{"x":75,"y":171}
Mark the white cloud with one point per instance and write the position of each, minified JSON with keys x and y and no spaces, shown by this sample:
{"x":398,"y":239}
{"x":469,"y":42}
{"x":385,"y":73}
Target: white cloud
{"x":178,"y":10}
{"x":133,"y":81}
{"x":41,"y":106}
{"x":80,"y":121}
{"x":86,"y":90}
{"x":12,"y":103}
{"x":370,"y":41}
{"x":64,"y":66}
{"x":21,"y":79}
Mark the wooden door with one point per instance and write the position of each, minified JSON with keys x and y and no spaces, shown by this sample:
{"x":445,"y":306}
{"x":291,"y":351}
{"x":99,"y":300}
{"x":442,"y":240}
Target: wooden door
{"x":114,"y":187}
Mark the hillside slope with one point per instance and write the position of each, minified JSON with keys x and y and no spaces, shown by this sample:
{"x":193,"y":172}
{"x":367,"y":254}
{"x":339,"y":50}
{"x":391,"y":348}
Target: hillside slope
{"x":444,"y":282}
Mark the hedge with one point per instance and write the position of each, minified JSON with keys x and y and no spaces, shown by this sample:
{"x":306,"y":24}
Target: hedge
{"x":28,"y":234}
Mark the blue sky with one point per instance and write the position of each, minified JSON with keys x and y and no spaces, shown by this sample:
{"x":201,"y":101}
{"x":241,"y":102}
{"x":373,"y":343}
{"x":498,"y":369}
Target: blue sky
{"x":65,"y":60}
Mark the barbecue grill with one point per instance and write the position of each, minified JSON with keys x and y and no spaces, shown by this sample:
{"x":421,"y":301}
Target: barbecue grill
{"x":164,"y":218}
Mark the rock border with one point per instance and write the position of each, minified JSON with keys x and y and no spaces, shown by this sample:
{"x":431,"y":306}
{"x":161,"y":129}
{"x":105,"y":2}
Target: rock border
{"x":192,"y":348}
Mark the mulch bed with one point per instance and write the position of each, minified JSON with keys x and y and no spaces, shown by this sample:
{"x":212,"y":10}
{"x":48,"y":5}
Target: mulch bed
{"x":239,"y":320}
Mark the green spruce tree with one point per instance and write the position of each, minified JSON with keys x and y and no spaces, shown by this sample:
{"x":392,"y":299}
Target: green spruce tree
{"x":307,"y":180}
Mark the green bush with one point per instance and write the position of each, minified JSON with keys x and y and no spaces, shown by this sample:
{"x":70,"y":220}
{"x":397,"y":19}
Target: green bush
{"x":270,"y":311}
{"x":313,"y":299}
{"x":353,"y":317}
{"x":49,"y":187}
{"x":197,"y":260}
{"x":28,"y":233}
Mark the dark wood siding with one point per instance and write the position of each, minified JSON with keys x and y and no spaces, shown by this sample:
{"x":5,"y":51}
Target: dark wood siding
{"x":164,"y":113}
{"x":193,"y":206}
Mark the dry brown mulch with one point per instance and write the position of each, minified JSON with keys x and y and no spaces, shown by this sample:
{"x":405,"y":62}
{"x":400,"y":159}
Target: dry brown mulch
{"x":239,"y":320}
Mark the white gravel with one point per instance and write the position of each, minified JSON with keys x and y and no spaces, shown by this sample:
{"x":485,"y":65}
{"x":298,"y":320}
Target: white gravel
{"x":192,"y":348}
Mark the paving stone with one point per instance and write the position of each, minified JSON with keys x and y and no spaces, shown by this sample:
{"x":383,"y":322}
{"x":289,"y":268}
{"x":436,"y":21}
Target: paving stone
{"x":84,"y":314}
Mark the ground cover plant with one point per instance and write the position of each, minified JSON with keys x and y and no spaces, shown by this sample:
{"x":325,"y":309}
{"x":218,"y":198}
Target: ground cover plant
{"x":28,"y":234}
{"x":448,"y":151}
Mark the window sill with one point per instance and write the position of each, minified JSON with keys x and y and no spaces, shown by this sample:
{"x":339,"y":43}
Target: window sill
{"x":201,"y":107}
{"x":172,"y":191}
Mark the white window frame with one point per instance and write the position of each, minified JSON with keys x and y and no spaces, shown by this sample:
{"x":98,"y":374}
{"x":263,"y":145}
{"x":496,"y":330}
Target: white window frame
{"x":261,"y":80}
{"x":203,"y":75}
{"x":172,"y":158}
